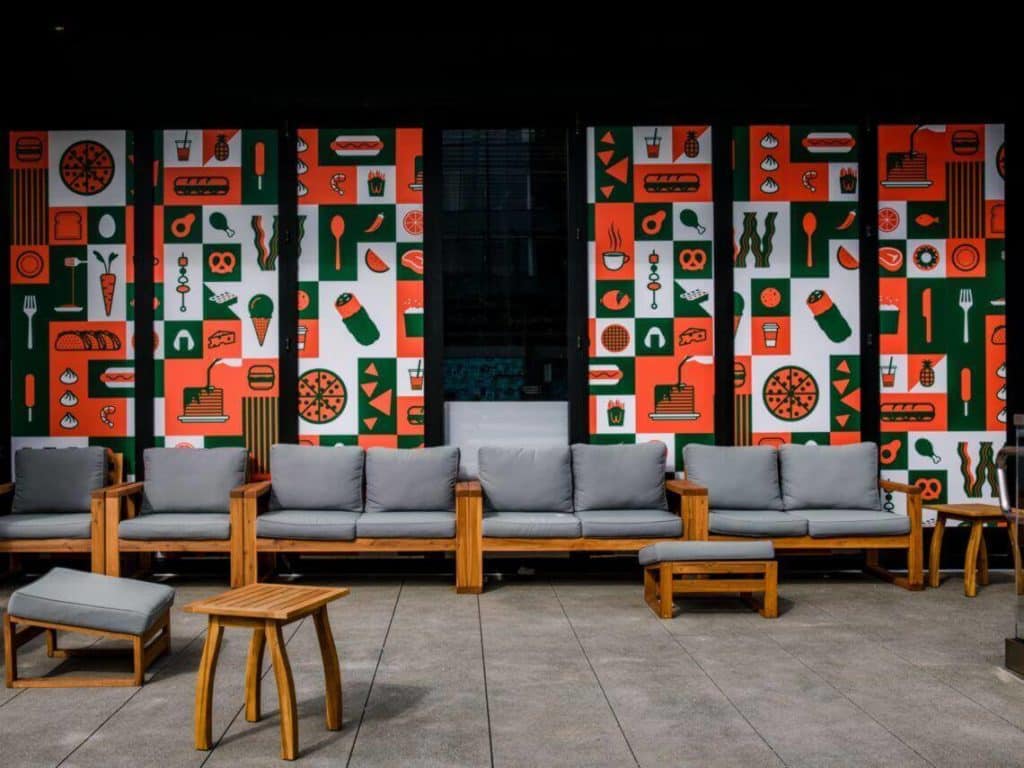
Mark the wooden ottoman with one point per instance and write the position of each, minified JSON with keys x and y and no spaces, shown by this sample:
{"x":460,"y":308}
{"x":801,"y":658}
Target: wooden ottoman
{"x":91,"y":604}
{"x":709,"y":567}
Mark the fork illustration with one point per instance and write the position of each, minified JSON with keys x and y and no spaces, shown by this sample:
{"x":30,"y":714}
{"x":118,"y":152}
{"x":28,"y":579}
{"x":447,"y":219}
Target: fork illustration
{"x":966,"y":302}
{"x":29,"y":308}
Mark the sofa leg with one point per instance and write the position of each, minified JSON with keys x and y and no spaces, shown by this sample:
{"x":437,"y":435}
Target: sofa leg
{"x":665,"y":591}
{"x":770,"y":608}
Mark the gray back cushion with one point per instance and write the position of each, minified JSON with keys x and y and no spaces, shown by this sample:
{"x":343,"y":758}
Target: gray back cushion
{"x":57,"y":479}
{"x":619,"y":476}
{"x":191,"y":479}
{"x":315,"y":477}
{"x":420,"y":479}
{"x":526,"y":479}
{"x":830,"y":476}
{"x":736,"y":478}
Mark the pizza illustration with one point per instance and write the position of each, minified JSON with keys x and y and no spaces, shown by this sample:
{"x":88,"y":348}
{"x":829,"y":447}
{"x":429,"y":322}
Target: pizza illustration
{"x":790,"y":393}
{"x":87,"y":167}
{"x":322,"y":396}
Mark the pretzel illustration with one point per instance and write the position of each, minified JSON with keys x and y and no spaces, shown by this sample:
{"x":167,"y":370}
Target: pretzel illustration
{"x":222,"y":262}
{"x":931,"y":487}
{"x":692,"y":259}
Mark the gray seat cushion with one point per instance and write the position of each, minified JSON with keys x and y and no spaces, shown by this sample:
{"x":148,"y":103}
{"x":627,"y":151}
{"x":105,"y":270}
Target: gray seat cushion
{"x":411,"y":479}
{"x":736,"y":477}
{"x":172,"y":526}
{"x":619,"y":476}
{"x":310,"y":524}
{"x":531,"y":525}
{"x":315,"y":477}
{"x":683,"y":551}
{"x":192,"y":479}
{"x":80,"y":471}
{"x":406,"y":524}
{"x":93,"y":601}
{"x":526,"y":479}
{"x":755,"y":522}
{"x":46,"y":525}
{"x":830,"y":476}
{"x":825,"y":523}
{"x":630,"y":523}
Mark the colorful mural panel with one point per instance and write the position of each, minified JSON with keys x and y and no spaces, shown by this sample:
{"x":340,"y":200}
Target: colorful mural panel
{"x":361,"y":286}
{"x":650,"y":286}
{"x":942,"y":311}
{"x":71,"y":310}
{"x":796,"y":312}
{"x":216,"y":250}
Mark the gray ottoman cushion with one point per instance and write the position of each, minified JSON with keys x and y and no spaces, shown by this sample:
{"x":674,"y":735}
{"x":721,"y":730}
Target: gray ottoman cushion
{"x":630,"y":523}
{"x":77,"y":525}
{"x":309,"y":524}
{"x":830,"y":476}
{"x":80,"y":470}
{"x":755,"y":522}
{"x":191,"y":479}
{"x":526,"y":479}
{"x":175,"y":526}
{"x":406,"y":525}
{"x":531,"y":525}
{"x":736,"y":478}
{"x":93,"y":601}
{"x":683,"y":551}
{"x":824,"y":523}
{"x":411,"y":479}
{"x":315,"y":477}
{"x":619,"y":476}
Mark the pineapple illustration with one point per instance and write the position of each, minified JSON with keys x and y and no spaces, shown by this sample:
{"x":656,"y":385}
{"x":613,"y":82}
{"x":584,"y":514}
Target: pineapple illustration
{"x":927,"y":375}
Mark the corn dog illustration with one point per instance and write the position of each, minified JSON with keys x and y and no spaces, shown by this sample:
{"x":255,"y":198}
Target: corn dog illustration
{"x":261,"y":309}
{"x":828,"y":316}
{"x":357,"y":319}
{"x":30,"y":393}
{"x":259,"y":162}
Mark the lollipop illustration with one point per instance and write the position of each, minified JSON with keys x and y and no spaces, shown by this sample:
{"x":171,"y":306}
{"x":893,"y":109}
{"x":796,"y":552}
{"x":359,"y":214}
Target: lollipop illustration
{"x":261,"y":309}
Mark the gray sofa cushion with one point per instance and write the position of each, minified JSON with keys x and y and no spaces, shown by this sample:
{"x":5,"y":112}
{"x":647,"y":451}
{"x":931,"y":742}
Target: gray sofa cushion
{"x":191,"y":479}
{"x":683,"y":551}
{"x":176,"y":525}
{"x":736,"y":478}
{"x":406,"y":524}
{"x":316,"y":477}
{"x":755,"y":522}
{"x":531,"y":525}
{"x":526,"y":479}
{"x":825,"y":523}
{"x":411,"y":479}
{"x":619,"y":476}
{"x":309,"y":524}
{"x":830,"y":476}
{"x":80,"y":470}
{"x":93,"y":601}
{"x":630,"y":523}
{"x":46,"y":525}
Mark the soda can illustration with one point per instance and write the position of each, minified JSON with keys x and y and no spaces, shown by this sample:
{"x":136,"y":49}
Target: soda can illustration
{"x":357,"y":319}
{"x":828,"y":316}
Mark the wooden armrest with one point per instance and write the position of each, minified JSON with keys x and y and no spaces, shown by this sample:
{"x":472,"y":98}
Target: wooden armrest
{"x":683,"y":487}
{"x":892,"y":485}
{"x":251,"y":490}
{"x":6,"y":488}
{"x":468,"y":488}
{"x":122,"y":489}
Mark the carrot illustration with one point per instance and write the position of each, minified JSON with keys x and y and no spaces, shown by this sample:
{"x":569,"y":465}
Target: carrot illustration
{"x":108,"y":281}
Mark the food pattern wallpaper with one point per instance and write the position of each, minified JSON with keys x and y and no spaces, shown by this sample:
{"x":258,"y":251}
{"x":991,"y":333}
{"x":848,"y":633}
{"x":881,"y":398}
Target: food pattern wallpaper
{"x":650,"y":286}
{"x":360,"y":334}
{"x":216,"y":249}
{"x":796,"y":311}
{"x":72,"y":338}
{"x":942,"y":307}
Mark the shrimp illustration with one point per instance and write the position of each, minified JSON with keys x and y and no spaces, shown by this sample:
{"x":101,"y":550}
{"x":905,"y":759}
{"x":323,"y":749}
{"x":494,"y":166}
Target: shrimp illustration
{"x":105,"y":413}
{"x":808,"y":180}
{"x":336,"y":181}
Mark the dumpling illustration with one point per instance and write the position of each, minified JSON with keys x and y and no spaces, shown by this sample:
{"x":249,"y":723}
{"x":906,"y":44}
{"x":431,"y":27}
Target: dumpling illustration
{"x":69,"y":421}
{"x":769,"y":186}
{"x":769,"y":163}
{"x":769,"y":141}
{"x":68,"y":399}
{"x":68,"y":377}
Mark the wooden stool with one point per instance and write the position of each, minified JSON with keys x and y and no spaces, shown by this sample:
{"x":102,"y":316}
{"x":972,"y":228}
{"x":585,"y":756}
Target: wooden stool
{"x":976,"y":559}
{"x":266,"y":608}
{"x":710,"y":567}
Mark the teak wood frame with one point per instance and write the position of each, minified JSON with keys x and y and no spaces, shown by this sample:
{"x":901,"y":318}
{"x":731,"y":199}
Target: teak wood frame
{"x":95,"y":544}
{"x":696,"y":527}
{"x":146,"y":648}
{"x":465,"y":545}
{"x":746,"y":577}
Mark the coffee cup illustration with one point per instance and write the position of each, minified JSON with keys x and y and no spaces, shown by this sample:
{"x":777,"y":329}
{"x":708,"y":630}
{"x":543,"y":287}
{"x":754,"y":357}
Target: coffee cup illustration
{"x":614,"y":260}
{"x":770,"y":333}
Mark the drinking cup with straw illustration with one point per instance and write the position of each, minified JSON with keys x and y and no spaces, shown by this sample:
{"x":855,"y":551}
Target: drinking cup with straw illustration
{"x":889,"y":375}
{"x":108,"y":281}
{"x":261,"y":309}
{"x":356,"y":319}
{"x":828,"y":316}
{"x":416,"y":376}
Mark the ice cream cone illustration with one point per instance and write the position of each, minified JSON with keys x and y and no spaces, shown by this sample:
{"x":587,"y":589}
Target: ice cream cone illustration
{"x":261,"y":309}
{"x":737,"y":311}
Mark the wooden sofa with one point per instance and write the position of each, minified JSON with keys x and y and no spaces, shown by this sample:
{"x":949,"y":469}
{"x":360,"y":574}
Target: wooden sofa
{"x":191,"y":501}
{"x":341,"y":500}
{"x":806,"y":499}
{"x":59,"y":517}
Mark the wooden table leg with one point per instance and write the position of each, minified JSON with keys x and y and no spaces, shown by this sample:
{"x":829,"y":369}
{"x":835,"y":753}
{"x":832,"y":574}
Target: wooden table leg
{"x":665,"y":590}
{"x":204,"y":684}
{"x":971,"y":561}
{"x":332,"y":672}
{"x":285,"y":691}
{"x":770,"y":610}
{"x":982,"y":560}
{"x":935,"y":556}
{"x":1011,"y":530}
{"x":254,"y":674}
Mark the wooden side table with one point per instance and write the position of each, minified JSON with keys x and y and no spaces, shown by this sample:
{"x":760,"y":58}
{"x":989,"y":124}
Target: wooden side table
{"x":976,"y":561}
{"x":266,"y":608}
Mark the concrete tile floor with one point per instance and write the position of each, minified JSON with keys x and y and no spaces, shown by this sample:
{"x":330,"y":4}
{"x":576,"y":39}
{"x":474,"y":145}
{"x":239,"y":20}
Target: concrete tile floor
{"x":564,"y":673}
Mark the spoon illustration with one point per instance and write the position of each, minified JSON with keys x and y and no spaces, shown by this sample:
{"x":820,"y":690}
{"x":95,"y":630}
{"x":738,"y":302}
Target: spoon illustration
{"x":688,"y":217}
{"x":810,"y":224}
{"x":924,"y":448}
{"x":337,"y":230}
{"x":219,"y":221}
